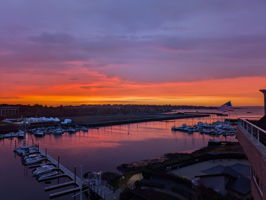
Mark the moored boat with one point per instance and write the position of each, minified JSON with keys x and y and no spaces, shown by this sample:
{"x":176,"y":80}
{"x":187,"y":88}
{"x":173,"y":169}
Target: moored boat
{"x":43,"y":169}
{"x":48,"y":175}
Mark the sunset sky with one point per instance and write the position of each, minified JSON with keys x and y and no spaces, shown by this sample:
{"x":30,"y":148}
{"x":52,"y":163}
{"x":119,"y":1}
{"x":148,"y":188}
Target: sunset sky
{"x":193,"y":52}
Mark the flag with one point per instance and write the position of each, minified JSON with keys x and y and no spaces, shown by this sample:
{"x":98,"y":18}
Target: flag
{"x":226,"y":107}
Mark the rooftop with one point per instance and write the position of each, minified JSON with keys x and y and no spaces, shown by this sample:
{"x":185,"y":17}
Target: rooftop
{"x":239,"y":173}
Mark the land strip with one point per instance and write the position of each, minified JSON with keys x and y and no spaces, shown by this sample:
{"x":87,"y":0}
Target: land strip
{"x":109,"y":120}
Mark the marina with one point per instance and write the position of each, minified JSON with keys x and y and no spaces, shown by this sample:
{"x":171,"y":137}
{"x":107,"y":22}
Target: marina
{"x":216,"y":128}
{"x":50,"y":169}
{"x":101,"y":149}
{"x":132,"y":100}
{"x":53,"y":169}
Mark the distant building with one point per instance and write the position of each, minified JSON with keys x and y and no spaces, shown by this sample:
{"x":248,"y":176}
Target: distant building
{"x":252,"y":137}
{"x":9,"y":111}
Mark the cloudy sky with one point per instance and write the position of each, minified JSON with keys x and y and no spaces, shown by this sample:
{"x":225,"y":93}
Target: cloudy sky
{"x":200,"y":52}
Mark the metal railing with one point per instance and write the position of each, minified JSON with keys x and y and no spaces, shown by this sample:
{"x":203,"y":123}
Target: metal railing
{"x":258,"y":137}
{"x":254,"y":131}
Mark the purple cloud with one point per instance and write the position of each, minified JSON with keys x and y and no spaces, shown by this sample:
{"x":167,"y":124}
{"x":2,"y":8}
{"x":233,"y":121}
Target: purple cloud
{"x":155,"y":40}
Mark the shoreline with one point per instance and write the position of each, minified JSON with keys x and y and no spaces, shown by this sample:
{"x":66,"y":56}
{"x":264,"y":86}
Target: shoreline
{"x":159,"y":117}
{"x":175,"y":160}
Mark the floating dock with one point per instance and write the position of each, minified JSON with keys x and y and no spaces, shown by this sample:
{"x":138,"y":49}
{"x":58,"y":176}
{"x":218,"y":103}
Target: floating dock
{"x":62,"y":168}
{"x":78,"y":184}
{"x":57,"y":194}
{"x":75,"y":180}
{"x":53,"y":187}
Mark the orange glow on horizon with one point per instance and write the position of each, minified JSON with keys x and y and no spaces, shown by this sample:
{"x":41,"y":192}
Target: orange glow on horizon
{"x":113,"y":90}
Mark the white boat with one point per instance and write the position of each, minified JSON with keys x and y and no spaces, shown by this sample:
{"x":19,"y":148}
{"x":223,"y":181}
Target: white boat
{"x":84,"y":129}
{"x":25,"y":150}
{"x":207,"y":131}
{"x":219,"y":132}
{"x":174,"y":128}
{"x":31,"y":156}
{"x":8,"y":135}
{"x":39,"y":133}
{"x":21,"y":134}
{"x":230,"y":133}
{"x":43,"y":169}
{"x":216,"y":128}
{"x":71,"y":130}
{"x":33,"y":160}
{"x":58,"y":131}
{"x":47,"y":175}
{"x":190,"y":129}
{"x":179,"y":128}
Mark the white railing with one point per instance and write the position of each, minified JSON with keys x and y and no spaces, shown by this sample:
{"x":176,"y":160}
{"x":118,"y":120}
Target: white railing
{"x":258,"y":137}
{"x":254,"y":131}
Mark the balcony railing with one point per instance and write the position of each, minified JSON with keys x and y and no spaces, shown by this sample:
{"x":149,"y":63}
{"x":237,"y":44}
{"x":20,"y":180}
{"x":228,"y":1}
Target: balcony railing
{"x":258,"y":137}
{"x":255,"y":132}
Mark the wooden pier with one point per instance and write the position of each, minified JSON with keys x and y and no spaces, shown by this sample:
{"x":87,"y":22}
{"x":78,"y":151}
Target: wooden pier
{"x":102,"y":190}
{"x":61,"y":167}
{"x":53,"y":187}
{"x":92,"y":185}
{"x":71,"y":190}
{"x":75,"y":180}
{"x":52,"y":177}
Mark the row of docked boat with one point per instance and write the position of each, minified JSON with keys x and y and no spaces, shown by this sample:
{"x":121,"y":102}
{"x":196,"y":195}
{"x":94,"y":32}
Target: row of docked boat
{"x":217,"y":128}
{"x":19,"y":134}
{"x":41,"y":131}
{"x":55,"y":130}
{"x":30,"y":156}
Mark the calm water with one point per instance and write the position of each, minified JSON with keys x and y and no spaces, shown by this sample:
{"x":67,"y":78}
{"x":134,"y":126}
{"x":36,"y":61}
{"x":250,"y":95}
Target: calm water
{"x":101,"y":149}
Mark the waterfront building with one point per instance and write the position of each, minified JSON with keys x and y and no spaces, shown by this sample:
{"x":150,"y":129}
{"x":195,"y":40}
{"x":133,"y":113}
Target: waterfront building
{"x":9,"y":111}
{"x":252,"y":137}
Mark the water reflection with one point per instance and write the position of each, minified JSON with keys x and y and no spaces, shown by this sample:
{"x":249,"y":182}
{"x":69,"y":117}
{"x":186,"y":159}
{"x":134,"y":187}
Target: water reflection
{"x":98,"y":149}
{"x":107,"y":147}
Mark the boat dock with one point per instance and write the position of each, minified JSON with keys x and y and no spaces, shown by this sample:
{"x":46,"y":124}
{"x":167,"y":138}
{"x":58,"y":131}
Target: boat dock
{"x":59,"y":185}
{"x":92,"y":185}
{"x":61,"y":167}
{"x":56,"y":172}
{"x":75,"y":180}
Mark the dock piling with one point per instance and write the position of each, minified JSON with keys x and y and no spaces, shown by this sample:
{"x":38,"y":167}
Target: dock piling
{"x":58,"y":161}
{"x":75,"y":175}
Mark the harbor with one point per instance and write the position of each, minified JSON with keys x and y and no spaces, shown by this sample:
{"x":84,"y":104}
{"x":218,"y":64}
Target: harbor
{"x":100,"y":149}
{"x":216,"y":128}
{"x":40,"y":126}
{"x":103,"y":149}
{"x":132,"y":100}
